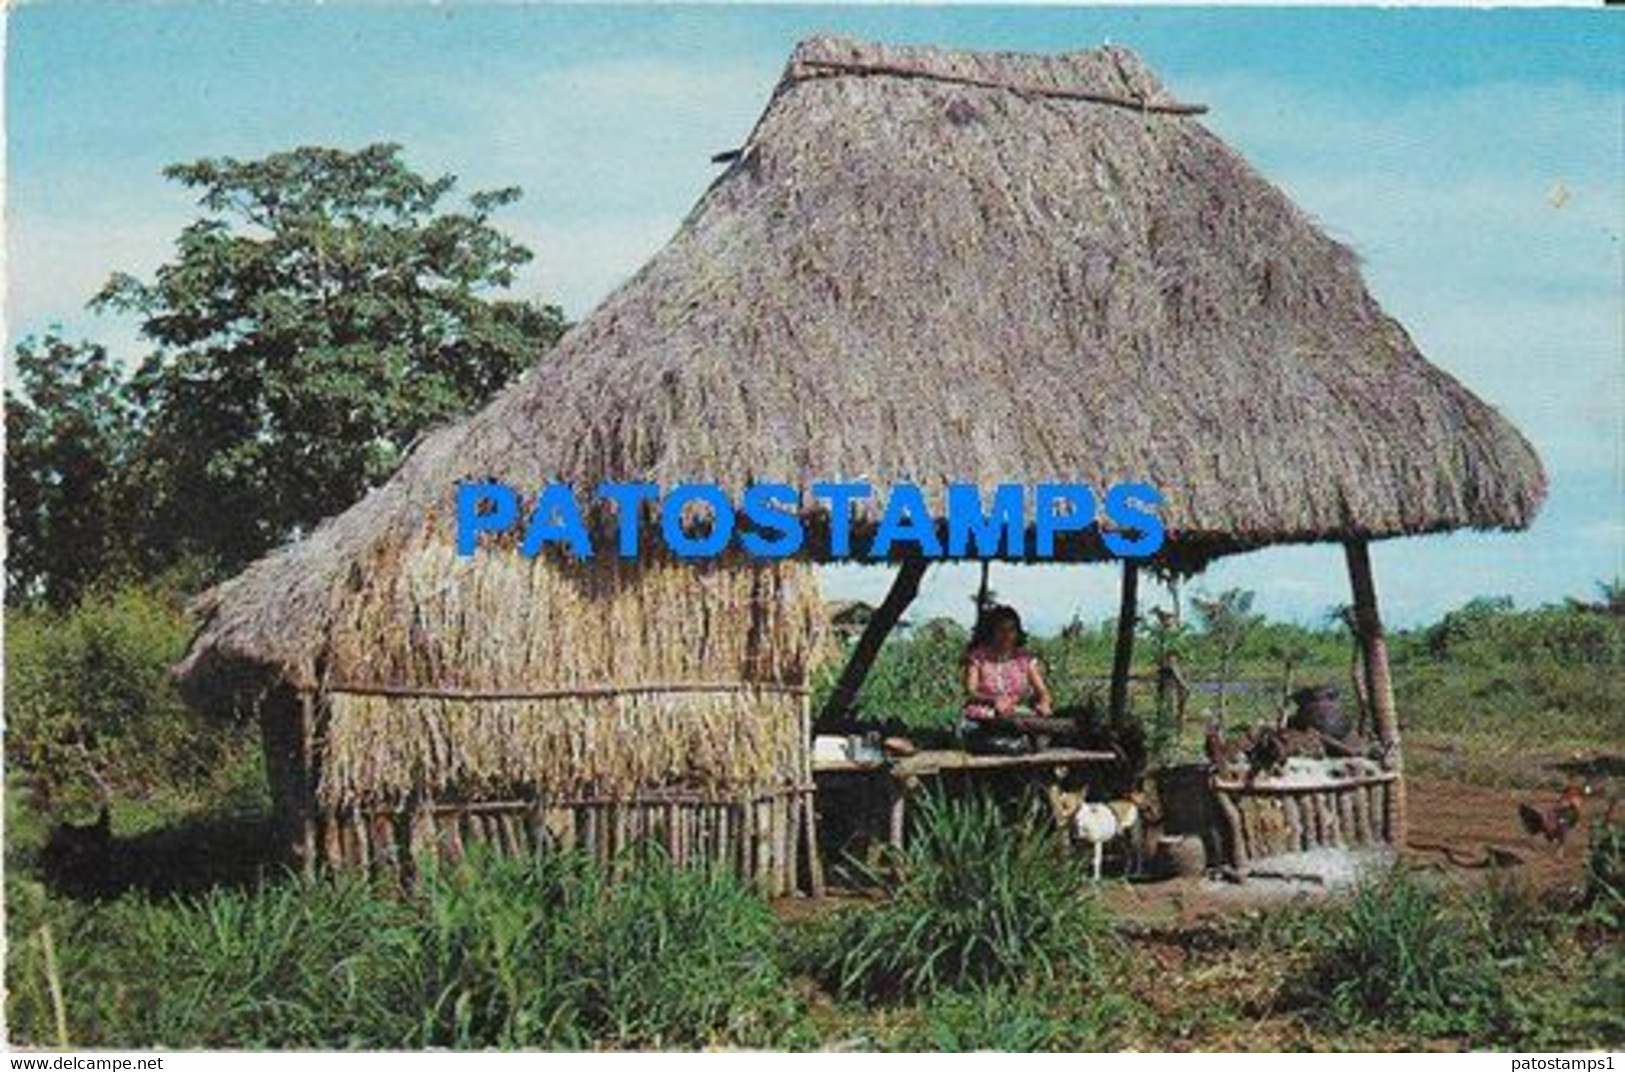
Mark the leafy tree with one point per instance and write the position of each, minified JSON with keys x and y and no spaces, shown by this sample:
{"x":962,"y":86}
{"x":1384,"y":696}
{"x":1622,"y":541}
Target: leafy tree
{"x":1481,"y":616}
{"x":326,"y":310}
{"x":1227,"y":619}
{"x":70,"y":431}
{"x":1610,"y":598}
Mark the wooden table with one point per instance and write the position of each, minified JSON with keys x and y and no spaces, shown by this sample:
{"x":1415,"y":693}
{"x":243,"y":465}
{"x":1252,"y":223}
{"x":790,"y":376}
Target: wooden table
{"x":903,"y":776}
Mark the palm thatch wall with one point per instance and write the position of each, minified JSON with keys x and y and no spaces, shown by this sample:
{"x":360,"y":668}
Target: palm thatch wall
{"x":517,"y":702}
{"x":921,"y":266}
{"x":476,"y":677}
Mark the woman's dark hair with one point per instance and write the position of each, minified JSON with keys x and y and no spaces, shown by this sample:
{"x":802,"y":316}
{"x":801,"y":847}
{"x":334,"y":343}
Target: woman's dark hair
{"x":991,"y":618}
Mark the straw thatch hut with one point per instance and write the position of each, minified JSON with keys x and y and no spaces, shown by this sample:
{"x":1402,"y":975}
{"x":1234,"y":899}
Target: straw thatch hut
{"x":922,"y":265}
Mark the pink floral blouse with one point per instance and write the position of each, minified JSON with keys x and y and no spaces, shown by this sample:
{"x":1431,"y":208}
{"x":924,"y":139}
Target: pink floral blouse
{"x":999,"y":678}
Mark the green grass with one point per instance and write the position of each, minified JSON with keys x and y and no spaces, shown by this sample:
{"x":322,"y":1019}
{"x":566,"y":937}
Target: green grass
{"x":977,"y":900}
{"x":548,"y":952}
{"x":1023,"y":1018}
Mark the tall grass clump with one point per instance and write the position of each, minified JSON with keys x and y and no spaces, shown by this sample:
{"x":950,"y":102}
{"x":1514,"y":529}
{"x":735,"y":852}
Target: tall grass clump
{"x":291,"y":964}
{"x":1404,"y":954}
{"x":483,"y":963}
{"x":560,"y":952}
{"x":980,"y":899}
{"x":679,"y":957}
{"x":1605,"y":872}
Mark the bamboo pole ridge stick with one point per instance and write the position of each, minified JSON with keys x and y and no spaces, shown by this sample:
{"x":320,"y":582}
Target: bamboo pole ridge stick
{"x":332,"y":838}
{"x":1347,"y":821}
{"x":417,"y":692}
{"x":1350,"y":804}
{"x":1250,"y":829}
{"x":536,"y":828}
{"x":809,"y":69}
{"x":1123,"y":657}
{"x":553,"y":803}
{"x":904,"y":587}
{"x":381,"y":835}
{"x":1379,"y":681}
{"x":780,"y":842}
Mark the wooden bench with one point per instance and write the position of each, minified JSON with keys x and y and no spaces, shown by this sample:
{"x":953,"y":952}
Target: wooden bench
{"x":902,"y":777}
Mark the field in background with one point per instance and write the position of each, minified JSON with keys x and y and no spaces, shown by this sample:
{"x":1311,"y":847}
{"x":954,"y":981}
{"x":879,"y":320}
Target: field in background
{"x":1486,"y":694}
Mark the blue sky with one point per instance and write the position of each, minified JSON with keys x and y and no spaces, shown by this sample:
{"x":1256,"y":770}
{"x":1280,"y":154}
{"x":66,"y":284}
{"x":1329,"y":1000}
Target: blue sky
{"x":1475,"y":159}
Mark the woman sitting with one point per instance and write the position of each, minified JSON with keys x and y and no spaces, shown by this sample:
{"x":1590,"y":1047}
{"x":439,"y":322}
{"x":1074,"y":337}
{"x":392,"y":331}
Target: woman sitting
{"x":1003,"y":680}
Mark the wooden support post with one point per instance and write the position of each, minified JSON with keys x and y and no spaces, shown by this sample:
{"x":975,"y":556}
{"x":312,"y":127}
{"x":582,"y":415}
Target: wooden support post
{"x":287,"y":734}
{"x":1123,"y":661}
{"x":307,"y":781}
{"x":898,"y":790}
{"x":815,"y":859}
{"x":904,"y":587}
{"x":1379,"y":684}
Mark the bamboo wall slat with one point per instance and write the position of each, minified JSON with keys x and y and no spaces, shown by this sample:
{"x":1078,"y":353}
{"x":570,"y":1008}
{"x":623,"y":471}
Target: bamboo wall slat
{"x":760,"y":837}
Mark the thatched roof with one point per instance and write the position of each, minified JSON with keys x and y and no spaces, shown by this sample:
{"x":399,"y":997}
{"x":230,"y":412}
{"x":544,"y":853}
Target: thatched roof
{"x":936,"y":267}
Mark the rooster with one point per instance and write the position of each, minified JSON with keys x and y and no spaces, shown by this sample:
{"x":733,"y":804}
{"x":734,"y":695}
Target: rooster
{"x":1555,"y":820}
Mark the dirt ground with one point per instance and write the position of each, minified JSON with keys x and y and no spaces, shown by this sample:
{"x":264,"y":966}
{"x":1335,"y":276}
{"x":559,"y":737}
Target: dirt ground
{"x":1471,"y":827}
{"x":1462,"y":829}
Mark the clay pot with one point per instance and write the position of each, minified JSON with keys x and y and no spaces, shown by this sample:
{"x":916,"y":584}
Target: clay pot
{"x":1319,"y":709}
{"x":1181,"y":856}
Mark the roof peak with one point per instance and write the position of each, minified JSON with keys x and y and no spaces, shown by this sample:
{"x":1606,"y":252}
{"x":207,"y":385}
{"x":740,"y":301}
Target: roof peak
{"x":1106,"y":75}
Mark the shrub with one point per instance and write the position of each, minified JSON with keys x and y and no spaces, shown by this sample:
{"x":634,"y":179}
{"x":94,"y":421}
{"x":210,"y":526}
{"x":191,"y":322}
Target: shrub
{"x":979,"y":900}
{"x":1401,"y":954}
{"x":90,"y":705}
